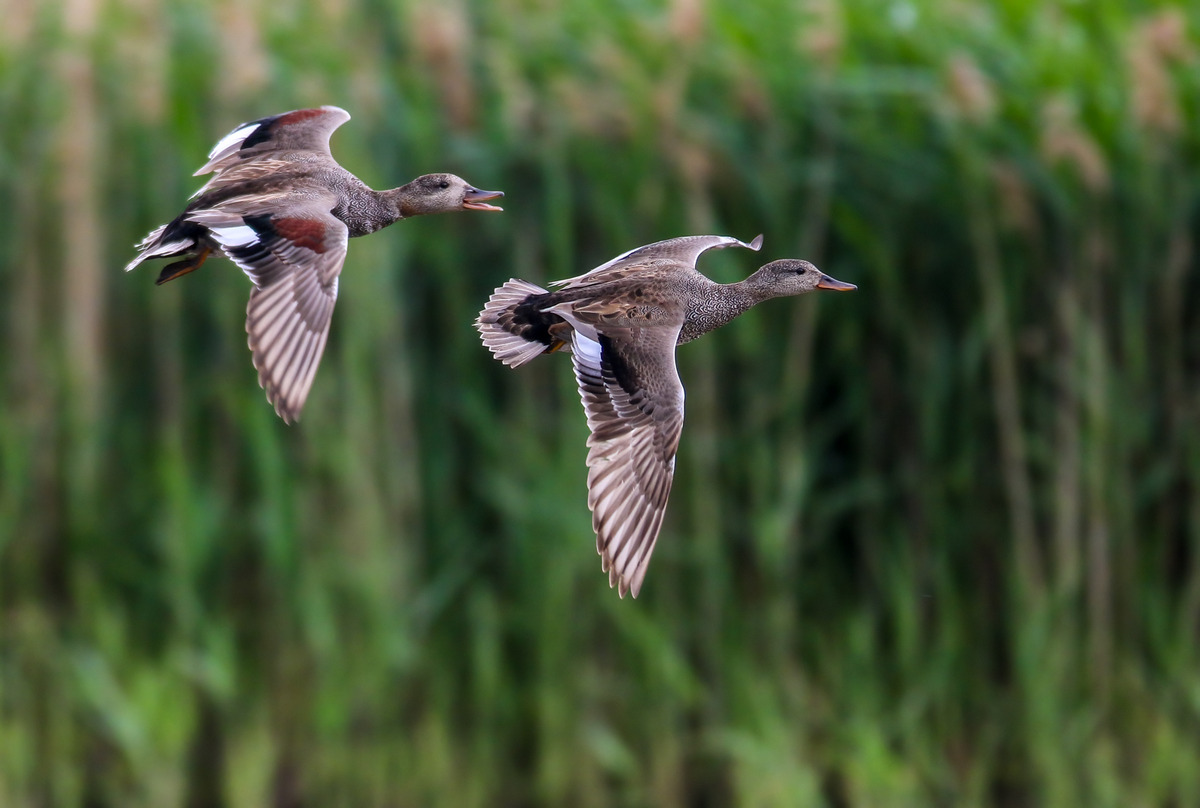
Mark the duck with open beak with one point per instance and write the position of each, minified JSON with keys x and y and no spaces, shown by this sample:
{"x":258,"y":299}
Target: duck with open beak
{"x":475,"y":199}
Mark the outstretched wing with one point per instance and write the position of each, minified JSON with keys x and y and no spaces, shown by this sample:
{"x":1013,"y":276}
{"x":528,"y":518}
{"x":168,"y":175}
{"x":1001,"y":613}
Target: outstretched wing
{"x":294,"y":260}
{"x":633,"y":399}
{"x":301,"y":130}
{"x":685,"y":250}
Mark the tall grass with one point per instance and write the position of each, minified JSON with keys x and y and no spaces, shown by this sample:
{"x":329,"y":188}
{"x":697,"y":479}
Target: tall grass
{"x":931,"y":543}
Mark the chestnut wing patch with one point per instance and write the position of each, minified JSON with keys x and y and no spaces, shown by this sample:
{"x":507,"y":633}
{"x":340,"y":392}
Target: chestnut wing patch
{"x":294,"y":261}
{"x":308,"y":234}
{"x":295,"y":265}
{"x":268,"y":127}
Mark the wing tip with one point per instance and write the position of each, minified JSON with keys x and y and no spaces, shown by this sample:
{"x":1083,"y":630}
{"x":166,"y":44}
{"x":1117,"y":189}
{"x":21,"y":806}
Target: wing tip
{"x":621,"y":583}
{"x":290,"y":418}
{"x":290,"y":405}
{"x":335,"y":110}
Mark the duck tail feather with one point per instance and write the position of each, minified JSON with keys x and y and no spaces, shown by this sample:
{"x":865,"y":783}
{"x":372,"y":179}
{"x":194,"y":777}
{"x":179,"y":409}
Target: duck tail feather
{"x":514,"y":332}
{"x":154,"y":246}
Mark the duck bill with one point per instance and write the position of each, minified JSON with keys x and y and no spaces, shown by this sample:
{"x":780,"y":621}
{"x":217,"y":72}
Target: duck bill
{"x":827,"y":282}
{"x":475,"y":199}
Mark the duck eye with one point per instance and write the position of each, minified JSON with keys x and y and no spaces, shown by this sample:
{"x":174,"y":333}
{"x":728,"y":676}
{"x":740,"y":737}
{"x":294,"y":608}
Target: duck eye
{"x":801,"y":271}
{"x":443,"y":184}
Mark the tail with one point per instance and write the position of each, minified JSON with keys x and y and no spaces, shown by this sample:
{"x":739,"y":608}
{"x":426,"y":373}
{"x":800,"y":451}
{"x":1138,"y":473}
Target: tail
{"x":169,"y":240}
{"x":513,"y":327}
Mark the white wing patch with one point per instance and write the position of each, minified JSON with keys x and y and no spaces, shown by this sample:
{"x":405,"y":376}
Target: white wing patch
{"x":226,"y":146}
{"x":235,"y":236}
{"x":234,"y":137}
{"x":588,"y":350}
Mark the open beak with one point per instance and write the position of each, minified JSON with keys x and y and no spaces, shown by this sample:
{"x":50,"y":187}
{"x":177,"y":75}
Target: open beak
{"x":827,"y":282}
{"x":475,"y":199}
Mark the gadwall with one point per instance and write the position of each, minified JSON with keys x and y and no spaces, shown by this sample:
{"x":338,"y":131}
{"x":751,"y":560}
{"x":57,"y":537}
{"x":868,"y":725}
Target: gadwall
{"x":282,"y":209}
{"x":621,"y":322}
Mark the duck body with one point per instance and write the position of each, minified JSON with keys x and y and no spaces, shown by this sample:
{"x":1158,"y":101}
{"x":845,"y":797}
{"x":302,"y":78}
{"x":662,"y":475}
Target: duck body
{"x":361,"y":209}
{"x":525,"y":317}
{"x":281,"y":208}
{"x":622,"y":322}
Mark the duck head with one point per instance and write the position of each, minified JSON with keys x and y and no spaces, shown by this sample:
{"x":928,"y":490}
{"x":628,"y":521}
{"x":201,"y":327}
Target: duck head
{"x":443,"y":193}
{"x":791,"y":276}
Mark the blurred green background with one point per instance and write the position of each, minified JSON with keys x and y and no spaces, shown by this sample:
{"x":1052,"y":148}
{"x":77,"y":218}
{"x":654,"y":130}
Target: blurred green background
{"x":932,"y":543}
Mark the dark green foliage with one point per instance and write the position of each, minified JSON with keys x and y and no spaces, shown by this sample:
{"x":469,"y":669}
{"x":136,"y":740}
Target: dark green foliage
{"x":931,"y":543}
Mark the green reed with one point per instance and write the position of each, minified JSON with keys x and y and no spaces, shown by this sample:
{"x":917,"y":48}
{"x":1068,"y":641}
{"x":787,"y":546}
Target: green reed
{"x":930,"y":543}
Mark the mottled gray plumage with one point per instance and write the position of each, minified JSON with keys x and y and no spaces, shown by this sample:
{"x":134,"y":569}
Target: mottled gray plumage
{"x":282,"y":209}
{"x":623,"y":321}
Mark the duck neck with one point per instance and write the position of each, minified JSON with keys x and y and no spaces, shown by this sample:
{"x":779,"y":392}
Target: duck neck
{"x":365,"y":211}
{"x":408,"y":201}
{"x":715,"y":304}
{"x":399,"y":203}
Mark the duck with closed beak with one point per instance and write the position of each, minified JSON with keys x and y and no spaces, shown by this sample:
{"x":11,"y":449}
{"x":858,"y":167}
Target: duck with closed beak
{"x":621,"y":322}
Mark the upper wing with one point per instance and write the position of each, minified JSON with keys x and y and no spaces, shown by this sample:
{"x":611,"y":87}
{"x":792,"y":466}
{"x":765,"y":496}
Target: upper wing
{"x":235,"y":173}
{"x":633,"y":399}
{"x":685,"y":250}
{"x":300,"y":130}
{"x":294,"y":260}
